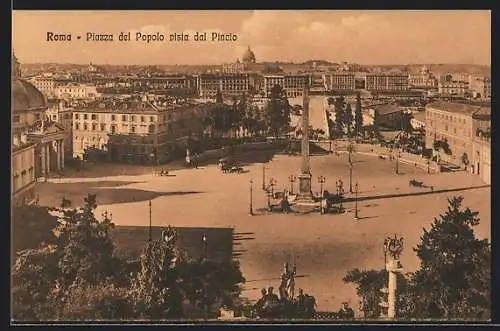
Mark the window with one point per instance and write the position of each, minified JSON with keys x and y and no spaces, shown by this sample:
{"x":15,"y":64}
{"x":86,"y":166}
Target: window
{"x":133,"y":118}
{"x":151,"y":128}
{"x":113,"y":128}
{"x":152,"y":119}
{"x":94,"y":117}
{"x":37,"y":116}
{"x":17,"y":118}
{"x":85,"y":127}
{"x":77,"y":116}
{"x":85,"y":116}
{"x":143,"y":119}
{"x":454,"y":130}
{"x":77,"y":126}
{"x":94,"y":127}
{"x":124,"y":118}
{"x":446,"y":127}
{"x":103,"y":126}
{"x":132,"y":129}
{"x":113,"y":117}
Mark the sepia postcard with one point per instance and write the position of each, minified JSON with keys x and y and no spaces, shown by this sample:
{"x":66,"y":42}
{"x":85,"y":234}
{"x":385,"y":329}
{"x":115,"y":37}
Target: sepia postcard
{"x":251,"y":166}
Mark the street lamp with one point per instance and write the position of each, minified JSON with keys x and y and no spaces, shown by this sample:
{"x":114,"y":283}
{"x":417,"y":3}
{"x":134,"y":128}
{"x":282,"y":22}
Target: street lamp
{"x":321,"y":181}
{"x":272,"y":184}
{"x":428,"y":166}
{"x":150,"y":223}
{"x":350,"y":177}
{"x":356,"y":204}
{"x":251,"y":198}
{"x":386,"y":250}
{"x":292,"y":180}
{"x":397,"y":162}
{"x":264,"y":176}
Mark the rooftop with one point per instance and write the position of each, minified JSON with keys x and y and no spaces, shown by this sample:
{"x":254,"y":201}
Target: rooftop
{"x":455,"y":107}
{"x":386,"y":109}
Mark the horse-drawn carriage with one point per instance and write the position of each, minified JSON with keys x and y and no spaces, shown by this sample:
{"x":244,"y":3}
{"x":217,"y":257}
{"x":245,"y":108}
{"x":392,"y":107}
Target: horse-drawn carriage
{"x":228,"y":165}
{"x":416,"y":183}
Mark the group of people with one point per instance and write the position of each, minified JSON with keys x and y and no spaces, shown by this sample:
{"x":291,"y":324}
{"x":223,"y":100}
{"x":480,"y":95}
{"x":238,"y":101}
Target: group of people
{"x":270,"y":305}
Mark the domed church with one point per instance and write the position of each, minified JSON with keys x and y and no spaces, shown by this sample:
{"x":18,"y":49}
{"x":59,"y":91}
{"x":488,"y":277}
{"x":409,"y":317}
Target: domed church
{"x":248,"y":56}
{"x":37,"y":143}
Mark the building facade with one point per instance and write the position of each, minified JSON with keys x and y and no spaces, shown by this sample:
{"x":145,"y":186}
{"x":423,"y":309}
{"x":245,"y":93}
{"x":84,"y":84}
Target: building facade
{"x":480,"y":86}
{"x":230,"y":85}
{"x":423,"y":80}
{"x":481,"y":144}
{"x":387,"y":81}
{"x":46,"y":84}
{"x":61,"y":112}
{"x":30,"y":138}
{"x":453,"y":88}
{"x":293,"y":84}
{"x":76,"y":91}
{"x":133,"y":130}
{"x":339,"y":81}
{"x":453,"y":123}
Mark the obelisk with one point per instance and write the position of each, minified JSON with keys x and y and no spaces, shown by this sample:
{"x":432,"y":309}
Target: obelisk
{"x":305,"y":192}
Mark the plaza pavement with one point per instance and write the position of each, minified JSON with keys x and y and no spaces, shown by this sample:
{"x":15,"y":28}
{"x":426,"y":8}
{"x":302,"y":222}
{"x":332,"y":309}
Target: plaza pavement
{"x":324,"y":247}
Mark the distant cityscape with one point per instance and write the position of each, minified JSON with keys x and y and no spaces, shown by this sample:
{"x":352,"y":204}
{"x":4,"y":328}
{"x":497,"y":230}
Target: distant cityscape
{"x":89,"y":107}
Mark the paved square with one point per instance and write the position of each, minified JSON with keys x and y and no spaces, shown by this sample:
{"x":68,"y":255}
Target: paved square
{"x":325,"y":247}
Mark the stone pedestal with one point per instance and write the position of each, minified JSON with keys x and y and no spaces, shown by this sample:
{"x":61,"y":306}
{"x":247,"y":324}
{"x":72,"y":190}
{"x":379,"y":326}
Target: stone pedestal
{"x":305,"y":192}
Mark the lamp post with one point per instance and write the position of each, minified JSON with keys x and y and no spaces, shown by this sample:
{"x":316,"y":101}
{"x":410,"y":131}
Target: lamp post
{"x":350,"y":177}
{"x":428,"y":166}
{"x":292,"y":180}
{"x":251,"y":198}
{"x":150,"y":223}
{"x":272,"y":184}
{"x":397,"y":162}
{"x":321,"y":181}
{"x":264,"y":176}
{"x":356,"y":203}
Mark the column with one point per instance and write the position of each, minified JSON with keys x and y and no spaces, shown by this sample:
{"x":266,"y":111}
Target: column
{"x":58,"y":154}
{"x":47,"y":158}
{"x":62,"y":154}
{"x":391,"y":299}
{"x":42,"y":164}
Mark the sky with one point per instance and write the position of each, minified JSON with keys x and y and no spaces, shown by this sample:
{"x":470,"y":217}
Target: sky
{"x":363,"y":37}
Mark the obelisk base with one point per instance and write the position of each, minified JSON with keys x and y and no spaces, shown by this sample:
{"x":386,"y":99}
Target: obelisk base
{"x":305,"y":193}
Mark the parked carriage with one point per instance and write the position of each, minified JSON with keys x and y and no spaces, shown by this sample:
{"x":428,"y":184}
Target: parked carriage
{"x":228,"y":165}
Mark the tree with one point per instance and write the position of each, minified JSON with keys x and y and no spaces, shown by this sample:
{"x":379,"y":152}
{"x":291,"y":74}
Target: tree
{"x":218,"y":97}
{"x":84,"y":247}
{"x":156,"y":289}
{"x":348,"y":119}
{"x":80,"y":256}
{"x":278,"y":111}
{"x":358,"y":116}
{"x":339,"y":117}
{"x":453,"y":280}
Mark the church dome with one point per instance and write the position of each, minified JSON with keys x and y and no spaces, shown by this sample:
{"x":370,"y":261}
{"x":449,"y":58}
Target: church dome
{"x":26,"y":96}
{"x":248,"y":56}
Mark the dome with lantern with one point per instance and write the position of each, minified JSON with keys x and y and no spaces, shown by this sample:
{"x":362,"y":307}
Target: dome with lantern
{"x":248,"y":56}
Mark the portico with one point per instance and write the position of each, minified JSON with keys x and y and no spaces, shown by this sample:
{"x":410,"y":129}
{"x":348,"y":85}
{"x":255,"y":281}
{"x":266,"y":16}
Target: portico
{"x":49,"y":150}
